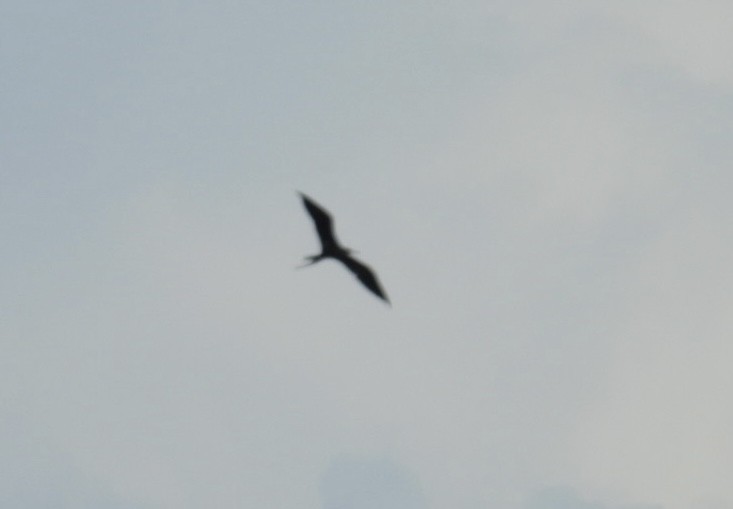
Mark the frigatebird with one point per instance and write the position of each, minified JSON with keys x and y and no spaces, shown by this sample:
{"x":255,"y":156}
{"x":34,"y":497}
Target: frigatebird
{"x":330,"y":248}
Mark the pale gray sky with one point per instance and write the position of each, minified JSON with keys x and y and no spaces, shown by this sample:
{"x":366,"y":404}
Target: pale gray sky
{"x":543,"y":188}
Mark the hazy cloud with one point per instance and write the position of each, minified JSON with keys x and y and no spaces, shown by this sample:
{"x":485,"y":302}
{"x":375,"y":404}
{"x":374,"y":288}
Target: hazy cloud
{"x":560,"y":497}
{"x":365,"y":483}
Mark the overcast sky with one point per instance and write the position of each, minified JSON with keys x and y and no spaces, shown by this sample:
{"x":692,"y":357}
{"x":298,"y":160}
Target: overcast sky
{"x":543,"y":187}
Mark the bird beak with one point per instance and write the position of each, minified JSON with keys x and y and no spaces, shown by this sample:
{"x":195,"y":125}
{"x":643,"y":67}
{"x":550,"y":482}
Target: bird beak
{"x":306,"y":263}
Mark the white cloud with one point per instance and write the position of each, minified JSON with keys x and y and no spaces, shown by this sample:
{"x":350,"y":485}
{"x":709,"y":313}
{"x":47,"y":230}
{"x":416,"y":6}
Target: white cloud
{"x":660,"y":434}
{"x":691,"y":36}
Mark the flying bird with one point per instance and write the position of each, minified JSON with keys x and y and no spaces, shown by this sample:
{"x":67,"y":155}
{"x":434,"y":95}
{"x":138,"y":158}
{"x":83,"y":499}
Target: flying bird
{"x":330,"y":248}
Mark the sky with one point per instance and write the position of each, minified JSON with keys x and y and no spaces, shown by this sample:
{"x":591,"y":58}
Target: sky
{"x":542,"y":187}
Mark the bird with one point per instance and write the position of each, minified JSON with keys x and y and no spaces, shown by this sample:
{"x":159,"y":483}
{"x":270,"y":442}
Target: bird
{"x":330,"y":248}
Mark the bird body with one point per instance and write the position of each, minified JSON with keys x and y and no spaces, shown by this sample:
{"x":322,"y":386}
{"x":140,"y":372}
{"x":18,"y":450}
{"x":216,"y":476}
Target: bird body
{"x":330,"y":248}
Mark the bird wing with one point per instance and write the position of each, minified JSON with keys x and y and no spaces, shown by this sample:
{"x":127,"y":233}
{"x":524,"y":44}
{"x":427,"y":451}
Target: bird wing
{"x":366,"y":275}
{"x":323,"y":222}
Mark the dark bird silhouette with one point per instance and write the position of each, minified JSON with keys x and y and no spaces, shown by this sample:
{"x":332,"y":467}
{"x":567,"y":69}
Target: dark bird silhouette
{"x":330,"y":248}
